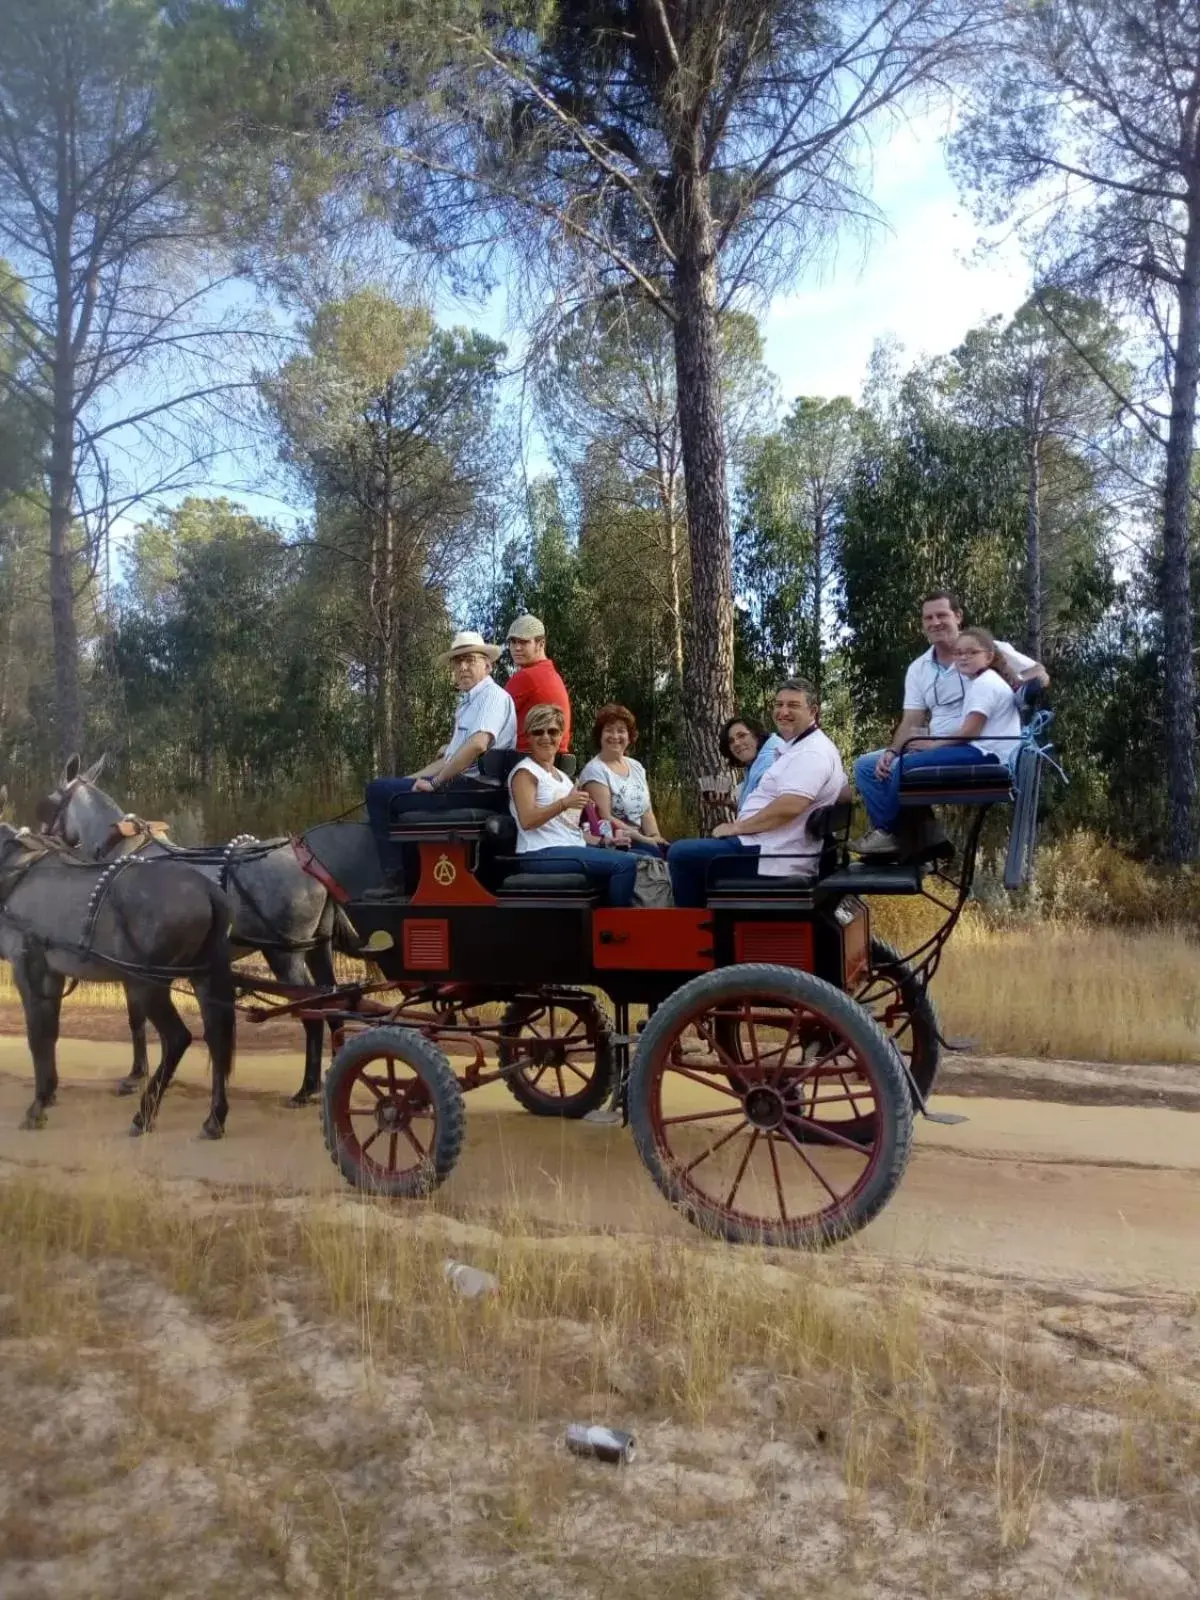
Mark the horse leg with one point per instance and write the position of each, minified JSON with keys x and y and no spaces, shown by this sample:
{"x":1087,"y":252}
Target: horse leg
{"x":141,"y":1056}
{"x":320,"y":965}
{"x":175,"y":1037}
{"x":41,"y":992}
{"x":219,"y":1029}
{"x":289,"y":966}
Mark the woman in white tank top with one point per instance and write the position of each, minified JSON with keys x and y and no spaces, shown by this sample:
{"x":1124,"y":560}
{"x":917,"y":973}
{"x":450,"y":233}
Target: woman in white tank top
{"x":547,"y":806}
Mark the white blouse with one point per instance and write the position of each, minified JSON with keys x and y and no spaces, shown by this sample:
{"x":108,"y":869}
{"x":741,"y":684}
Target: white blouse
{"x":560,"y":830}
{"x":630,"y":795}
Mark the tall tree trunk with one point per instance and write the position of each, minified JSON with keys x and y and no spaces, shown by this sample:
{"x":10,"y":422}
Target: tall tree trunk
{"x":708,"y":683}
{"x":68,"y":711}
{"x":818,"y":594}
{"x":668,"y":491}
{"x":1179,"y":677}
{"x":1033,"y":550}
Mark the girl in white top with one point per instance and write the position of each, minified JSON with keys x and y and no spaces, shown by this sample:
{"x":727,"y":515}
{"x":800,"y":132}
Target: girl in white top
{"x":547,"y":808}
{"x":990,"y":719}
{"x":617,"y":783}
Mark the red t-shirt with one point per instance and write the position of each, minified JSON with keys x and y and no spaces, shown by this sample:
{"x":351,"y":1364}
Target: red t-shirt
{"x":539,"y":685}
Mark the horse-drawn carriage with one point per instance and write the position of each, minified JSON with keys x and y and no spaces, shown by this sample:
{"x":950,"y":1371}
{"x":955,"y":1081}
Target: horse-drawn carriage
{"x":772,"y":1081}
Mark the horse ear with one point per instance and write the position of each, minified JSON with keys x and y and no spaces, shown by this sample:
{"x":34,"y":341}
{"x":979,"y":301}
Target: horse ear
{"x":70,"y":772}
{"x":94,"y":771}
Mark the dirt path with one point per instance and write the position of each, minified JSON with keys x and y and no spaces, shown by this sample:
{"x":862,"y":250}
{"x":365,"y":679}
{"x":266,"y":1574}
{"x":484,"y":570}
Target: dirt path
{"x":1087,"y":1194}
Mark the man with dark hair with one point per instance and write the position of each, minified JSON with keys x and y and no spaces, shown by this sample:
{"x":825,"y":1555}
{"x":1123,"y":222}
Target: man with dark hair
{"x":934,"y":691}
{"x":771,"y":834}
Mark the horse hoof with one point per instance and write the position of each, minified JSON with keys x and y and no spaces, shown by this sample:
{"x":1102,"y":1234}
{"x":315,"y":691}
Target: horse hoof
{"x":128,"y":1086}
{"x":32,"y":1121}
{"x":137,"y":1128}
{"x":302,"y":1097}
{"x":212,"y":1129}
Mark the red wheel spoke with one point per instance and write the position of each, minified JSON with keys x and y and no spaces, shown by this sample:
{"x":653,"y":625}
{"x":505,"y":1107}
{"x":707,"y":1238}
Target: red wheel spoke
{"x":737,"y":1177}
{"x":822,"y":1130}
{"x":392,"y":1152}
{"x":713,"y":1148}
{"x":816,"y":1171}
{"x":374,"y":1084}
{"x":582,"y":1076}
{"x":363,"y":1148}
{"x":562,"y":1088}
{"x":415,"y":1142}
{"x":787,"y":1045}
{"x":702,"y":1116}
{"x":707,"y":1083}
{"x":783,"y":1216}
{"x":391,"y":1074}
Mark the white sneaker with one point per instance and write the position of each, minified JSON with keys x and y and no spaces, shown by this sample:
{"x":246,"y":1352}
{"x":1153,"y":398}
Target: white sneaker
{"x":876,"y":843}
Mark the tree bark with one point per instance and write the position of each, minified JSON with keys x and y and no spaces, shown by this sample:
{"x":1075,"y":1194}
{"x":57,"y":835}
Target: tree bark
{"x":1033,"y":550}
{"x":68,"y":709}
{"x":818,"y":590}
{"x":1179,"y":676}
{"x":708,"y":685}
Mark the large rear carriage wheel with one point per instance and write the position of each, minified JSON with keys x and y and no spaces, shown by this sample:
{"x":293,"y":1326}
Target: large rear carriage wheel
{"x":392,"y":1113}
{"x":797,"y":1139}
{"x":555,"y":1056}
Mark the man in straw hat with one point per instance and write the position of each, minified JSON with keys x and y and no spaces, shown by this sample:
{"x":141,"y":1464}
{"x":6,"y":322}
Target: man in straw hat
{"x":537,"y":681}
{"x":485,"y":717}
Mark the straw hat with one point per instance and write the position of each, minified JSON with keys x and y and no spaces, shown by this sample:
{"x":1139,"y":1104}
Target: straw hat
{"x":468,"y":643}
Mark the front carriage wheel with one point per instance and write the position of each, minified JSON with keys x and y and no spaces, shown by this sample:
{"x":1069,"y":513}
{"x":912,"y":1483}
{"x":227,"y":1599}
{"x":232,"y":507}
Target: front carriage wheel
{"x":555,"y":1056}
{"x":392,"y":1113}
{"x":750,"y":1145}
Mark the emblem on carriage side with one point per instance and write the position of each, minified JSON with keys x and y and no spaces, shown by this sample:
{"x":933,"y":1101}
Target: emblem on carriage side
{"x":444,"y":871}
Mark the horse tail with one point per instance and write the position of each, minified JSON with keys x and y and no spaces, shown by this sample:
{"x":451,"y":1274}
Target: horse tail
{"x":220,"y":1019}
{"x":346,"y":938}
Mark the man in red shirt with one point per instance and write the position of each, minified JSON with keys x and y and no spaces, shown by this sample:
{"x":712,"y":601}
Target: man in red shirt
{"x":536,"y":681}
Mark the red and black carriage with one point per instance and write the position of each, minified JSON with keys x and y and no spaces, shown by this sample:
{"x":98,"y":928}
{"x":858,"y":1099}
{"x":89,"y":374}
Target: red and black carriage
{"x":768,"y":1051}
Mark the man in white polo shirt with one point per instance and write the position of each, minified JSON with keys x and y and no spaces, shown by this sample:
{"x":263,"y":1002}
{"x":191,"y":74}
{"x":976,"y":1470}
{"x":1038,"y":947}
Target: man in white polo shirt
{"x":934,"y":691}
{"x":485,"y":717}
{"x":771,"y":831}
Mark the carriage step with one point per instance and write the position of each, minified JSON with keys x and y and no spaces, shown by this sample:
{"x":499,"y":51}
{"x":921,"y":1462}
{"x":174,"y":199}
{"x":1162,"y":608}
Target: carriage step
{"x":945,"y":1119}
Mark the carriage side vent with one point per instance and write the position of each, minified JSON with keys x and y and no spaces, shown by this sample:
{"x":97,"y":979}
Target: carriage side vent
{"x":787,"y":944}
{"x":427,"y":945}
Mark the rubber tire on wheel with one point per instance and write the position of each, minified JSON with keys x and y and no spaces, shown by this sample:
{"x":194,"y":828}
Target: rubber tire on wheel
{"x":926,"y":1052}
{"x":444,"y":1094}
{"x":591,"y":1095}
{"x":860,"y":1029}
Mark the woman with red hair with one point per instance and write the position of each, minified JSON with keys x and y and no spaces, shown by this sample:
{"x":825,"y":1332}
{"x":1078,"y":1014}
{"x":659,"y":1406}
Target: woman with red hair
{"x":617,"y":783}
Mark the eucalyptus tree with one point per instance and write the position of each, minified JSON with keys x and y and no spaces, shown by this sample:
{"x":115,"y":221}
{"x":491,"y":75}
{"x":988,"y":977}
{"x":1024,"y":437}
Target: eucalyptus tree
{"x":1088,"y":117}
{"x":688,"y":152}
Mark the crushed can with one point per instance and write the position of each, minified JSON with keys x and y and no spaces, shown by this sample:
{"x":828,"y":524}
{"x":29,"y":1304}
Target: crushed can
{"x":605,"y":1444}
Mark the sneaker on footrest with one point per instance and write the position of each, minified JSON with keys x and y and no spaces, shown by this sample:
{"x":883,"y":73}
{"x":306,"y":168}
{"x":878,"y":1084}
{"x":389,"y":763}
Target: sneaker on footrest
{"x":876,"y":843}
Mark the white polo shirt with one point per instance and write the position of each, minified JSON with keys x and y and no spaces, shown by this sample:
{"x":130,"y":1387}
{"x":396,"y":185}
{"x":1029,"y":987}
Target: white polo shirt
{"x":941,"y":691}
{"x":810,"y":766}
{"x":993,"y":699}
{"x":487,"y":708}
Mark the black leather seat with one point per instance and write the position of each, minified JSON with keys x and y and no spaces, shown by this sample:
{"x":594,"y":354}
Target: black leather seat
{"x":979,"y":784}
{"x":867,"y":877}
{"x":737,"y":877}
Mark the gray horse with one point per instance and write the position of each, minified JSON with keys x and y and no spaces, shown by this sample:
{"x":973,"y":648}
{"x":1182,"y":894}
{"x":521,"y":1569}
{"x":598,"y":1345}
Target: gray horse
{"x":143,"y":924}
{"x":277,"y":907}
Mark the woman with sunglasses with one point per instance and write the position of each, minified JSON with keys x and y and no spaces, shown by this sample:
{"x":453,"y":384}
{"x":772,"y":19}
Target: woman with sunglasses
{"x":547,"y":807}
{"x":989,"y":731}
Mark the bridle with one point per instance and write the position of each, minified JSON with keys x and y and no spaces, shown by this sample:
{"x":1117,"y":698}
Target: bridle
{"x":53,"y":809}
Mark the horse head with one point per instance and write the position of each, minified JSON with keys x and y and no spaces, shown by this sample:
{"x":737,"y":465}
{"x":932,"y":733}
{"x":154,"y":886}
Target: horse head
{"x":77,"y":812}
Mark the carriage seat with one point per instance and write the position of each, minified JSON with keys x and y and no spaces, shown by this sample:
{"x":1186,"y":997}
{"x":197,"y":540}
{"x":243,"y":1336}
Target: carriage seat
{"x":982,"y":784}
{"x":737,"y":877}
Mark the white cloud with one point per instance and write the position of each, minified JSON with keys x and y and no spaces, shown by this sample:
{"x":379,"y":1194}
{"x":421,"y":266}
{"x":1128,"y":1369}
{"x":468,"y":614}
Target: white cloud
{"x":919,"y":281}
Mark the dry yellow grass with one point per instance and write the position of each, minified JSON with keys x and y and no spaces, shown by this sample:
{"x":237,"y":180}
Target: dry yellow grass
{"x":295,"y":1402}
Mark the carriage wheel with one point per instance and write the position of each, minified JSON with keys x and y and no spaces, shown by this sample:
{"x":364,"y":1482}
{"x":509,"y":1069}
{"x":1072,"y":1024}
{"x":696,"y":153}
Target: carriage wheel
{"x":899,"y":1001}
{"x":392,"y":1113}
{"x":555,"y":1056}
{"x":751,"y":1147}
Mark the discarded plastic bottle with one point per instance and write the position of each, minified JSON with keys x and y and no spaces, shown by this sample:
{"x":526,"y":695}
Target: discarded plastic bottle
{"x":606,"y":1444}
{"x":471,"y":1282}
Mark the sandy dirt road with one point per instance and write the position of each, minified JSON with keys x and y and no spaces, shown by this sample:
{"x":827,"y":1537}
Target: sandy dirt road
{"x":1043,"y":1191}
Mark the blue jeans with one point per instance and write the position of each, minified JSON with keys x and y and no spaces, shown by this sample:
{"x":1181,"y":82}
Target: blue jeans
{"x":881,"y":796}
{"x":379,"y":799}
{"x":688,"y":863}
{"x":618,"y":868}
